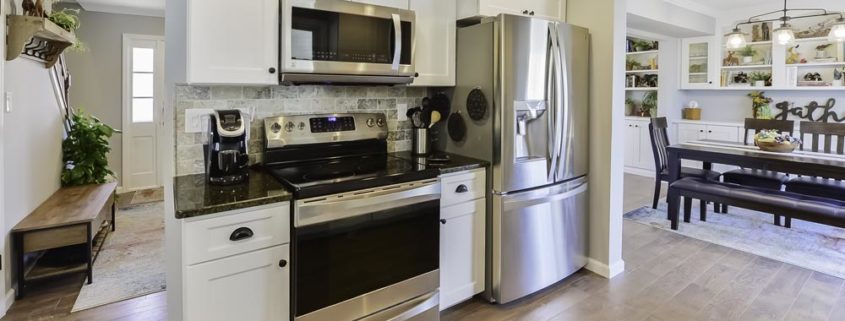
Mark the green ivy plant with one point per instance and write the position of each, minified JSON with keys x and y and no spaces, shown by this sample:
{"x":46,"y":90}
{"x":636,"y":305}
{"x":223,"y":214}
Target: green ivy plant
{"x":68,"y":19}
{"x":84,"y":151}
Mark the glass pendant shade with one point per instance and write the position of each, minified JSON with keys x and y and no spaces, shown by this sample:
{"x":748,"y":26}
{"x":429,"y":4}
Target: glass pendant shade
{"x":837,"y":32}
{"x":784,"y":35}
{"x":735,"y":39}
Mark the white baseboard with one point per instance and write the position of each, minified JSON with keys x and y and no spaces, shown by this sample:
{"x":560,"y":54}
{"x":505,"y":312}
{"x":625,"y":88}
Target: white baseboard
{"x":605,"y":270}
{"x":640,"y":171}
{"x":10,"y":299}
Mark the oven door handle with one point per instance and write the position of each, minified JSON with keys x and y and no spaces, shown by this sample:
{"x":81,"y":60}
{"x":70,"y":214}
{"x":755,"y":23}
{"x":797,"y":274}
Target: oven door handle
{"x":412,"y":308}
{"x":314,"y":212}
{"x":397,"y":51}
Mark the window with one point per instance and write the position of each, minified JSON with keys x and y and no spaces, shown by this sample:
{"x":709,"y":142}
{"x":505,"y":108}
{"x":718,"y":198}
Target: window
{"x":143,"y":84}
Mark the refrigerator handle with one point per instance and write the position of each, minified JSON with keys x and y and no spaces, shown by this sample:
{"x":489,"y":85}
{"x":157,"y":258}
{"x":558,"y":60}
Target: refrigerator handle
{"x":552,"y":106}
{"x":559,"y":100}
{"x":565,"y":128}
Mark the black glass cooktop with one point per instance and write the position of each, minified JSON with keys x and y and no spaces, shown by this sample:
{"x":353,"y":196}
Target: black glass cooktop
{"x":337,"y":175}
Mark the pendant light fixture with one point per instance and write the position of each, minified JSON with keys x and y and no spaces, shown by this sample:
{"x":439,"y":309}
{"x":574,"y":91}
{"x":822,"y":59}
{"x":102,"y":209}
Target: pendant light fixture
{"x":784,"y":35}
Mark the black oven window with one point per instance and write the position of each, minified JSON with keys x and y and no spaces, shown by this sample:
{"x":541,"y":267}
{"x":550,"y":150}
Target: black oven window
{"x":331,"y":36}
{"x":343,"y":259}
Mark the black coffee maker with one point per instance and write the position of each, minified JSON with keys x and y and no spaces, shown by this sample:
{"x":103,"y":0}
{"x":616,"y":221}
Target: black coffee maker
{"x":226,"y":157}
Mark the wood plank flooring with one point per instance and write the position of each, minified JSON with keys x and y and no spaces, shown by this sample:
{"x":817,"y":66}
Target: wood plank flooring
{"x":668,"y":277}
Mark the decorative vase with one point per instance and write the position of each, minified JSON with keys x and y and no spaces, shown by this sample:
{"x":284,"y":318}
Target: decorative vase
{"x":760,"y":83}
{"x":762,"y":112}
{"x":821,"y":54}
{"x":838,"y":83}
{"x":747,"y":59}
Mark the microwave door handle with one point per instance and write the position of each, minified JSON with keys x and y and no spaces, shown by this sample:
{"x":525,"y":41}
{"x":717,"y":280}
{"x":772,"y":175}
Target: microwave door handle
{"x":397,"y":51}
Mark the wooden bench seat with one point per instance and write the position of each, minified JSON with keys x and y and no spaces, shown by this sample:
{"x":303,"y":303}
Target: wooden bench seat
{"x":71,"y":216}
{"x":804,"y":207}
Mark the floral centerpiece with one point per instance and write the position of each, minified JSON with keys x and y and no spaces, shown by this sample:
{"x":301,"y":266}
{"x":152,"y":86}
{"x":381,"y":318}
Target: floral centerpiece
{"x":760,"y":105}
{"x":774,"y":141}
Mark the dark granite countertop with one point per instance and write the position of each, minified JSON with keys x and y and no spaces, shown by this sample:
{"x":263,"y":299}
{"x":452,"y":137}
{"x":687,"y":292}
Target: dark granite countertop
{"x":194,"y":197}
{"x":456,"y":163}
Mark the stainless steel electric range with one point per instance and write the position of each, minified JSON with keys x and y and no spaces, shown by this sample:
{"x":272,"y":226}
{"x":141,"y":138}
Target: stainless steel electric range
{"x":365,"y":224}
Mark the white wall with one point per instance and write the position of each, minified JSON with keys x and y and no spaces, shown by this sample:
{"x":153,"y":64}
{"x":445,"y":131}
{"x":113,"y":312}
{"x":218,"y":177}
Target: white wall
{"x":668,"y":18}
{"x":607,"y":111}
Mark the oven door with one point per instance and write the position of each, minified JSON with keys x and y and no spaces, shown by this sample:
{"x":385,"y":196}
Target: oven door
{"x":344,"y":41}
{"x":367,"y":251}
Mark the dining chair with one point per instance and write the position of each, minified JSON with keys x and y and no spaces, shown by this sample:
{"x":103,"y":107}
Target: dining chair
{"x":759,"y":177}
{"x":658,"y":131}
{"x":820,"y":186}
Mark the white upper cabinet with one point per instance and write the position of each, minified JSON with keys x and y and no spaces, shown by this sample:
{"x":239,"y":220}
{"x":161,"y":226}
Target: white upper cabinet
{"x":698,"y":63}
{"x":233,"y":42}
{"x":548,"y":9}
{"x":401,"y":4}
{"x":434,"y":56}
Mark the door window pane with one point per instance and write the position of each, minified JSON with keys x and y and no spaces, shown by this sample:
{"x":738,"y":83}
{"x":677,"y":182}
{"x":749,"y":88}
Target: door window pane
{"x":143,"y":59}
{"x":142,"y":110}
{"x":142,"y":85}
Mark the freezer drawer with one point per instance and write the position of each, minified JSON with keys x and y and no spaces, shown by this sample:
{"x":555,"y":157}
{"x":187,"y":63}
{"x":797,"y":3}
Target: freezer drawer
{"x":539,"y":238}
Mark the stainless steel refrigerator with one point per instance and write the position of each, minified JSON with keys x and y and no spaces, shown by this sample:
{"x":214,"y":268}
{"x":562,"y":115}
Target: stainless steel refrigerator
{"x":522,"y":95}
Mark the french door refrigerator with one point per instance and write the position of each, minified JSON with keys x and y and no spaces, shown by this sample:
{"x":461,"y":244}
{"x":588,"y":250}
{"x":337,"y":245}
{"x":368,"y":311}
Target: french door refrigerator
{"x":522,"y":95}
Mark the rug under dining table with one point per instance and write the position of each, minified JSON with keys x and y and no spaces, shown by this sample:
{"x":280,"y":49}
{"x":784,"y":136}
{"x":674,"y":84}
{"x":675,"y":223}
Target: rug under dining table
{"x":813,"y":246}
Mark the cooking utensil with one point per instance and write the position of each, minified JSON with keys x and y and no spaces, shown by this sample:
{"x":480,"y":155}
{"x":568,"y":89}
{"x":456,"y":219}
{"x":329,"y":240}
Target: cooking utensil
{"x":425,"y":117}
{"x":416,"y":120}
{"x":435,"y":117}
{"x":440,"y":102}
{"x":411,"y":111}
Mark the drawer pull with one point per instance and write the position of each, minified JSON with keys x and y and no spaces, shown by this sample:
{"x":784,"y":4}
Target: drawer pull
{"x":462,"y":189}
{"x":442,"y":221}
{"x":241,"y":233}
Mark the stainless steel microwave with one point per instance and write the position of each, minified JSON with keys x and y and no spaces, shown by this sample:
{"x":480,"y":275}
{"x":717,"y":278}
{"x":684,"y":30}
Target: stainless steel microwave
{"x":340,"y":41}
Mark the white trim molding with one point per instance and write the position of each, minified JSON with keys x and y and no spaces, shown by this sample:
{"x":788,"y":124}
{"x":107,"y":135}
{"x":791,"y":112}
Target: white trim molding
{"x":694,"y":6}
{"x":119,"y":9}
{"x":607,"y":271}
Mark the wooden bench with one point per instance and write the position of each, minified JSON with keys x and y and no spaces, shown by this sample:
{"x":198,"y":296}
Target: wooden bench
{"x":71,"y":216}
{"x":804,"y":207}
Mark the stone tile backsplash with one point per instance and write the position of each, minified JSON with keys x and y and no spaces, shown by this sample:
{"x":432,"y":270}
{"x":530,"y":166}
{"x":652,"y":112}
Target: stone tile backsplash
{"x":287,"y":100}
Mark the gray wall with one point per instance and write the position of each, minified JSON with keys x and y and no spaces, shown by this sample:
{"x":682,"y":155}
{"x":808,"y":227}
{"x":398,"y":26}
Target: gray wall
{"x":97,"y":74}
{"x":734,"y":106}
{"x":279,"y":100}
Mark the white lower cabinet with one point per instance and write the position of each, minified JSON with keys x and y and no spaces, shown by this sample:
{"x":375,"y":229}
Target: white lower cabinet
{"x":688,"y":131}
{"x":250,"y":286}
{"x":462,"y":237}
{"x":638,"y":154}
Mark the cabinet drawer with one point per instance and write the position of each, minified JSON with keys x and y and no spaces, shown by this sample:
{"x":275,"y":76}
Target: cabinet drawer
{"x":237,"y":233}
{"x":462,"y":187}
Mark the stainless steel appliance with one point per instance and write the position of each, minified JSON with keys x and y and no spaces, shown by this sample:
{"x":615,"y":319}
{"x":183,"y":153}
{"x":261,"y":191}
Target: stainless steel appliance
{"x":533,"y":75}
{"x":366,"y":225}
{"x":330,"y":41}
{"x":226,"y":155}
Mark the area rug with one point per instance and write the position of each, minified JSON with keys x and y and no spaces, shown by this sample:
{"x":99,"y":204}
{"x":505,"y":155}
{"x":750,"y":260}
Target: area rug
{"x":812,"y":246}
{"x":131,"y":263}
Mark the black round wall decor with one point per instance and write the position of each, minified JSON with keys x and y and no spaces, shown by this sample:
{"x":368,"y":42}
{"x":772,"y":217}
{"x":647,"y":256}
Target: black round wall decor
{"x":476,"y":104}
{"x":456,"y":127}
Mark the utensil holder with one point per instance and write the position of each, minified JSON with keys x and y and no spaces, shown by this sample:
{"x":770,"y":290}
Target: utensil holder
{"x":420,"y":144}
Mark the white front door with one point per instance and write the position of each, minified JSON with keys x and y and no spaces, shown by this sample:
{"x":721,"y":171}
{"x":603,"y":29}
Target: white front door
{"x":143,"y":89}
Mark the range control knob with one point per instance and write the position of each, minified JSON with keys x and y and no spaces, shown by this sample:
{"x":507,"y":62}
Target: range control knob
{"x":276,"y":128}
{"x":380,"y":122}
{"x":301,"y":125}
{"x":371,"y":122}
{"x":289,"y":126}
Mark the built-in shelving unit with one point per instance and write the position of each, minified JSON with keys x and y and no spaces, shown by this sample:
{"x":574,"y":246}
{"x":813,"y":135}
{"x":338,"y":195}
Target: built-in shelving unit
{"x":641,"y":75}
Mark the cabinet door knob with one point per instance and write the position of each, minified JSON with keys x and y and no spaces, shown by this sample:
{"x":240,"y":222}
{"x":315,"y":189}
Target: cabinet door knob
{"x":701,"y":130}
{"x":283,"y":263}
{"x":272,"y":70}
{"x":442,"y":221}
{"x":710,"y":82}
{"x":241,"y":233}
{"x":709,"y":131}
{"x":531,"y":13}
{"x":524,"y":11}
{"x":461,"y":189}
{"x":416,"y":74}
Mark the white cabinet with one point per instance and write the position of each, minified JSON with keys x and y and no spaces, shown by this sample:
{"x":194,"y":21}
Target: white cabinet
{"x":691,"y":132}
{"x":699,"y":63}
{"x":232,"y":42}
{"x":434,"y":57}
{"x":401,"y":4}
{"x":462,"y":236}
{"x":236,"y":265}
{"x":250,"y":286}
{"x":548,"y":9}
{"x":724,"y":132}
{"x":638,"y":154}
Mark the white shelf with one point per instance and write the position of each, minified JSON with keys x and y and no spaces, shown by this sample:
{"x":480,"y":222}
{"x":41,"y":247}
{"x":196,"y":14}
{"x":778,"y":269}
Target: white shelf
{"x":756,"y":43}
{"x":641,"y":89}
{"x":641,"y":71}
{"x":817,"y":64}
{"x":649,"y":52}
{"x":748,"y":67}
{"x":698,"y":57}
{"x":817,"y":39}
{"x":828,"y":88}
{"x":698,"y":74}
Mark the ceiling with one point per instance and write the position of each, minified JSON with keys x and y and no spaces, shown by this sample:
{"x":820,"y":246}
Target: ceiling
{"x":729,"y":4}
{"x":135,"y":7}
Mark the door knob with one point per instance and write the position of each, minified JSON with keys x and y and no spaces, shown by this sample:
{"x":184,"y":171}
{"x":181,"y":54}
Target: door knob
{"x":272,"y":70}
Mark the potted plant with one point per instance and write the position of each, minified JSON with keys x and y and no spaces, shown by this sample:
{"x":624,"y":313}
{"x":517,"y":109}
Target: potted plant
{"x":631,"y":64}
{"x":650,"y":104}
{"x":68,"y":19}
{"x":837,"y":77}
{"x":642,"y":45}
{"x":760,"y":105}
{"x":747,"y":54}
{"x":821,"y":50}
{"x":84,"y":151}
{"x":759,"y":78}
{"x":630,"y":106}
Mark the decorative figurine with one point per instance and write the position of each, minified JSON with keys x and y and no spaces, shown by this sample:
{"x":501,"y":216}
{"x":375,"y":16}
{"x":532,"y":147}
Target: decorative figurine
{"x":28,"y":8}
{"x":766,"y":33}
{"x":755,"y":33}
{"x":792,"y":56}
{"x":731,"y":60}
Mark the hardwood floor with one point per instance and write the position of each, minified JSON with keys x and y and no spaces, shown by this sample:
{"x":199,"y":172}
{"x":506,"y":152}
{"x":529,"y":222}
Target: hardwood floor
{"x":668,"y":277}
